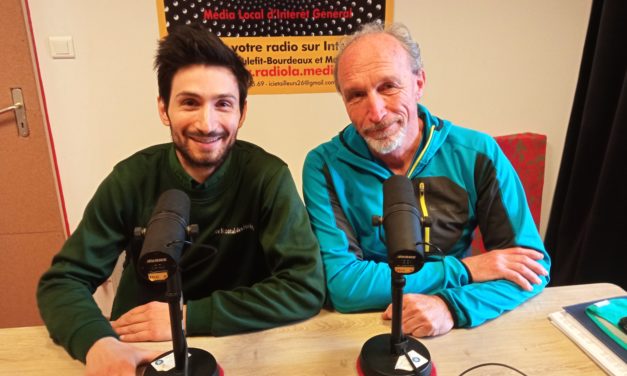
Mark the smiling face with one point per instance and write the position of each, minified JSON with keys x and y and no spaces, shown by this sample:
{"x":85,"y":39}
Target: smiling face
{"x":380,"y":93}
{"x":204,"y":116}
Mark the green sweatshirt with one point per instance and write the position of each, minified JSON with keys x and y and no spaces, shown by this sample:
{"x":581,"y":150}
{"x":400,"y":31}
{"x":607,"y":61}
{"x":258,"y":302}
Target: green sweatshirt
{"x":266,"y":271}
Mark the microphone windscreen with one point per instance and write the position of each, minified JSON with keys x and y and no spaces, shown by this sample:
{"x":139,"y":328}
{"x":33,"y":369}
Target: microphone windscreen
{"x":174,"y":201}
{"x":397,"y":190}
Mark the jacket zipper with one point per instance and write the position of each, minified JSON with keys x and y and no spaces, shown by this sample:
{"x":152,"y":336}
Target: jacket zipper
{"x":425,"y":216}
{"x":422,"y":153}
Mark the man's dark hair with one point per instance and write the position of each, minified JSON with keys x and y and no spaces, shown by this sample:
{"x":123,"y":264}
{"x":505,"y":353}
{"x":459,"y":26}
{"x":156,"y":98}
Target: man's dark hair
{"x":193,"y":45}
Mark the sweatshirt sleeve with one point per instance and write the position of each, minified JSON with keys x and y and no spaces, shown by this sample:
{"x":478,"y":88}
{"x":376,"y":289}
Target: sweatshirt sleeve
{"x":295,"y":289}
{"x":86,"y":260}
{"x":505,"y":221}
{"x":353,"y":283}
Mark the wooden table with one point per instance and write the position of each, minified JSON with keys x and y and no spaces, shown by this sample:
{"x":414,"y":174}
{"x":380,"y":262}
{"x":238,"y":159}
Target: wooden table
{"x":329,"y":344}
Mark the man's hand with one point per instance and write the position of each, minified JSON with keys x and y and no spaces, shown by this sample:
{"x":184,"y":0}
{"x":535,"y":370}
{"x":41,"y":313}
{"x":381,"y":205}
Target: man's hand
{"x":518,"y":265}
{"x":148,"y":322}
{"x":110,"y":357}
{"x":423,"y":315}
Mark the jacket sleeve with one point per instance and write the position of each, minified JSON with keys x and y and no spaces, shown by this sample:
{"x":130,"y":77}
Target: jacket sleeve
{"x":86,"y":260}
{"x":505,"y":221}
{"x":354,"y":283}
{"x":294,"y":291}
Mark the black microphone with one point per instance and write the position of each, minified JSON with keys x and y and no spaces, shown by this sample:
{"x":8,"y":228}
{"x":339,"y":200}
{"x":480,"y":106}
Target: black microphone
{"x":394,"y":353}
{"x":158,"y":262}
{"x":401,"y":222}
{"x":164,"y":236}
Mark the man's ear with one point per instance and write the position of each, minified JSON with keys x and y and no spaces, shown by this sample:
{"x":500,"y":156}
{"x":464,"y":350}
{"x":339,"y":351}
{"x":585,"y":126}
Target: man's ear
{"x":243,"y":116}
{"x":421,"y":78}
{"x":163,"y":112}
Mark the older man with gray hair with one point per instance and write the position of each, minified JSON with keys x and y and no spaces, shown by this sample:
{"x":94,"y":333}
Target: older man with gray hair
{"x":460,"y":177}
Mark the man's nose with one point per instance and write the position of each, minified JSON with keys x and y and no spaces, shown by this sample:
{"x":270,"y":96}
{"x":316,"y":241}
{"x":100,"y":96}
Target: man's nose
{"x":206,"y":120}
{"x":376,"y":108}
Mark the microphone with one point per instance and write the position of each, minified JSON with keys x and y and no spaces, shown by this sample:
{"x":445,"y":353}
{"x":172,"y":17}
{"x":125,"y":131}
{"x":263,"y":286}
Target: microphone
{"x":158,"y":262}
{"x":164,"y":236}
{"x":396,"y":354}
{"x":401,"y":222}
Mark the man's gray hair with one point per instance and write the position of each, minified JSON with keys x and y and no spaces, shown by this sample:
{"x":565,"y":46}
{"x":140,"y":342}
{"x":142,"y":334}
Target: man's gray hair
{"x":396,"y":30}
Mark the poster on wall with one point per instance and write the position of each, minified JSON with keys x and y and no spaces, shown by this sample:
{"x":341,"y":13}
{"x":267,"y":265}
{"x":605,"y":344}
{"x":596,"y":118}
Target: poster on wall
{"x":288,"y":45}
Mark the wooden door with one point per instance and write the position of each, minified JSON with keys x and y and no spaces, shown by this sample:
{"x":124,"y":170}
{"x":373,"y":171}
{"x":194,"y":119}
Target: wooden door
{"x":32,"y":221}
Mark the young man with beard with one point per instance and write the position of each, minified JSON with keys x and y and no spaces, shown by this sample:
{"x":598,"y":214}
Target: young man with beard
{"x":460,"y":177}
{"x":266,"y":270}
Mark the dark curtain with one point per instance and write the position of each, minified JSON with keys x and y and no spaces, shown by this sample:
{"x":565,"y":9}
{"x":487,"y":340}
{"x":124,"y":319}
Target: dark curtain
{"x":587,"y":230}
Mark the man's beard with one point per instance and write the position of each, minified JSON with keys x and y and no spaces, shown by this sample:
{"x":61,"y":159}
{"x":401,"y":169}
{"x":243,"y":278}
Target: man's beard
{"x":387,"y":144}
{"x":209,"y":161}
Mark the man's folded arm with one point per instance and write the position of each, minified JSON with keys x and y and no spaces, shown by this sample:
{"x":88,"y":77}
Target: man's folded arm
{"x":355,"y":284}
{"x":477,"y":303}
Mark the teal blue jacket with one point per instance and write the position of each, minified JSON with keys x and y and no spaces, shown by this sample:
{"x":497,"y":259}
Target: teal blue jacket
{"x":462,"y":180}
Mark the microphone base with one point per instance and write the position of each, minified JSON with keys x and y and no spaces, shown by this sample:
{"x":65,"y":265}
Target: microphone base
{"x":376,"y":358}
{"x":199,"y":362}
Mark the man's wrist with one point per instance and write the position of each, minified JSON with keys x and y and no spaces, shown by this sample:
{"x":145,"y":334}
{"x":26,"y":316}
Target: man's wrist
{"x":104,"y":341}
{"x":470,"y":278}
{"x":450,"y":308}
{"x":85,"y":337}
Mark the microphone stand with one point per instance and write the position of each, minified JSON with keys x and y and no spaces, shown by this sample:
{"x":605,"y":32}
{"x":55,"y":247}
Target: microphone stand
{"x":398,"y":341}
{"x":187,"y":361}
{"x":380,"y":354}
{"x":174,"y":297}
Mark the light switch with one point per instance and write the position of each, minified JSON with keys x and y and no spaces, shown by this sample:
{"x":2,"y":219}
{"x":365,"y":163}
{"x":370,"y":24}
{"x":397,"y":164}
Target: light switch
{"x":61,"y":47}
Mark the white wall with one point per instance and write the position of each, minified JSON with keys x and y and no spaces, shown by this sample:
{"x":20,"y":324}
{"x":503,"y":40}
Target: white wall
{"x":497,"y":66}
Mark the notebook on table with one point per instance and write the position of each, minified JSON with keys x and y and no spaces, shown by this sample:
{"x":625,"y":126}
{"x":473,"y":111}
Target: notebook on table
{"x":575,"y":323}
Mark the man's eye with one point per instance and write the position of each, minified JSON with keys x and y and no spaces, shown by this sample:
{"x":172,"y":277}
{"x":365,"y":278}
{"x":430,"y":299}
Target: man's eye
{"x":388,"y":86}
{"x":224,"y":104}
{"x":353,"y":97}
{"x":188,"y":102}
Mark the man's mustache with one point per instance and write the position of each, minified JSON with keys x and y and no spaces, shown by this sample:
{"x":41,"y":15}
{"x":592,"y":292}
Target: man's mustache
{"x":209,"y":135}
{"x":381,"y":125}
